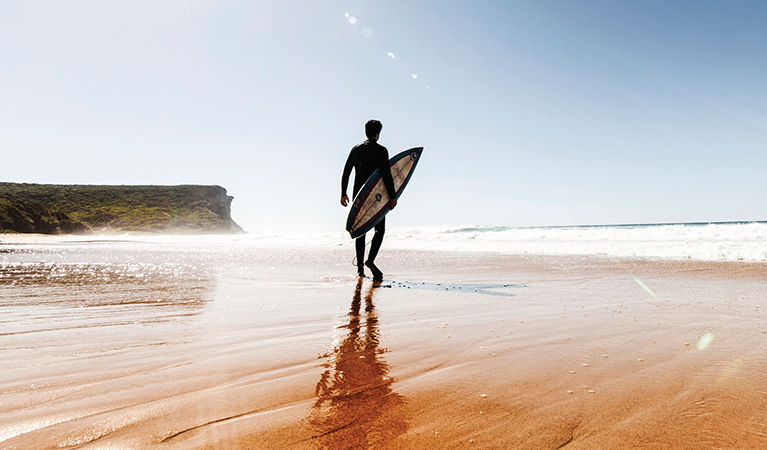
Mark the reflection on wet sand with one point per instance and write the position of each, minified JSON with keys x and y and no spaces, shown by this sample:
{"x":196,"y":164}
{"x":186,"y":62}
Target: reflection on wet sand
{"x":43,"y":296}
{"x":356,"y":406}
{"x":88,"y":284}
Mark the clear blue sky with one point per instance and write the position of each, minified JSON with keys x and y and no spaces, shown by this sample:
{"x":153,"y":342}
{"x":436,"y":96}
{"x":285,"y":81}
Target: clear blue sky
{"x":531,"y":113}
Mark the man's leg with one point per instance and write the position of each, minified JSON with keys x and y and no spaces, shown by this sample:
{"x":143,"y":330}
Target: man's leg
{"x":375,"y":245}
{"x":359,"y":244}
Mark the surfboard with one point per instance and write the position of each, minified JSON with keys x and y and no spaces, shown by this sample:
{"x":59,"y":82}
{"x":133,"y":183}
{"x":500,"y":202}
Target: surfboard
{"x":372,"y":201}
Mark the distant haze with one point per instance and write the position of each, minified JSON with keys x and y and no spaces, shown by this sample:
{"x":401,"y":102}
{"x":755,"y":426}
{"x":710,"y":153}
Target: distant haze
{"x":531,"y":113}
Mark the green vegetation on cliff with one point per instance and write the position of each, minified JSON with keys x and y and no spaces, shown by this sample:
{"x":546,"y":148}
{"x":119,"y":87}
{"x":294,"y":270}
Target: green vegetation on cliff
{"x":46,"y":208}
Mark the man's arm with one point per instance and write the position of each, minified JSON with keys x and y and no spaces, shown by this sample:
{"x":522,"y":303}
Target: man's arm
{"x":345,"y":178}
{"x":388,"y":180}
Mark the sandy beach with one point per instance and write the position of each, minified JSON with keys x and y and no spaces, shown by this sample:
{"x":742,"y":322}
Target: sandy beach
{"x":131,"y":346}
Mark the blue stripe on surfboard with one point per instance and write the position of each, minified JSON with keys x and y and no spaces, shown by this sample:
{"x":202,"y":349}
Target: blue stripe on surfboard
{"x":365,"y":191}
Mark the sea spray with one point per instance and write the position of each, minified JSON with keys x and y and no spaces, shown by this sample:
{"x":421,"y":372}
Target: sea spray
{"x":698,"y":242}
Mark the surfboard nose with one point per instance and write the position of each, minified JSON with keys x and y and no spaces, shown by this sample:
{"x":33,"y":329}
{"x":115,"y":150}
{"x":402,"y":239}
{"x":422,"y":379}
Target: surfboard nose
{"x":415,"y":154}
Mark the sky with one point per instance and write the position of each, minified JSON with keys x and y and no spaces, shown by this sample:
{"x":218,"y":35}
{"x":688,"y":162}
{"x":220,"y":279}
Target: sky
{"x":530,"y":112}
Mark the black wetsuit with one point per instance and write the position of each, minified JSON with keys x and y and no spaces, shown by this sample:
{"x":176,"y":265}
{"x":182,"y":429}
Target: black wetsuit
{"x":365,"y":158}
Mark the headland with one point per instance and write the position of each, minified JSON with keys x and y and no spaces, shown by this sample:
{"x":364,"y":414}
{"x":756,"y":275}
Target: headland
{"x":82,"y":209}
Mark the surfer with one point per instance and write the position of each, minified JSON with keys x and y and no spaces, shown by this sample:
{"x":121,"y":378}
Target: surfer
{"x":365,"y":158}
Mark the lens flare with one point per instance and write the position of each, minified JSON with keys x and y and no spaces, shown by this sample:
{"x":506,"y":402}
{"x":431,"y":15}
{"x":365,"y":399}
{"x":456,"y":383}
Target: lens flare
{"x":415,"y":77}
{"x":391,"y":55}
{"x":705,"y":340}
{"x":644,"y":286}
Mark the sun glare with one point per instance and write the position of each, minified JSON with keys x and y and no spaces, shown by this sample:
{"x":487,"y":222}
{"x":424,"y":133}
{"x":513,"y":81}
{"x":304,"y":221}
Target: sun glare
{"x":705,"y":341}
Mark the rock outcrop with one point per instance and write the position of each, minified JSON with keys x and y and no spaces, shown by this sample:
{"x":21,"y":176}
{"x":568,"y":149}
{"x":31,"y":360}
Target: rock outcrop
{"x":54,"y":209}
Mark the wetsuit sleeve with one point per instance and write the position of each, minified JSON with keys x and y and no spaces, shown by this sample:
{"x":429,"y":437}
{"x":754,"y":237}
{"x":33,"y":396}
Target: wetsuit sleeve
{"x":347,"y":171}
{"x":385,"y":169}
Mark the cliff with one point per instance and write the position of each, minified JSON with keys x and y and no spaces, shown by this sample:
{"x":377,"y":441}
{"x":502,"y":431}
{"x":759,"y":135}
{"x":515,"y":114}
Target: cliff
{"x":53,"y":209}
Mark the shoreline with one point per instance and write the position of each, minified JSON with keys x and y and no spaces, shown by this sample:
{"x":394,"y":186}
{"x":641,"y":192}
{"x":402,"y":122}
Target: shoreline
{"x":275,"y":242}
{"x":732,"y":242}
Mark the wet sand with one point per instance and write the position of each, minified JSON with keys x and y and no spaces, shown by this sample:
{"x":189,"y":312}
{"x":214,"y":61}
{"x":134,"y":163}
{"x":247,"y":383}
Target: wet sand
{"x":285,"y":349}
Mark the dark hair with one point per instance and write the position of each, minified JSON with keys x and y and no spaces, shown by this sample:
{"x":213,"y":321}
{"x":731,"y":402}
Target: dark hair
{"x":372,"y":128}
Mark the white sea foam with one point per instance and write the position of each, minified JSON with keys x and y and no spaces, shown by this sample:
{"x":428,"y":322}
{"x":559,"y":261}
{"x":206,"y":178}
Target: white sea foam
{"x":714,"y":242}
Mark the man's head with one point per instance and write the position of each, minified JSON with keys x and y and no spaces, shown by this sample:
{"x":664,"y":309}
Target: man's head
{"x":373,"y":129}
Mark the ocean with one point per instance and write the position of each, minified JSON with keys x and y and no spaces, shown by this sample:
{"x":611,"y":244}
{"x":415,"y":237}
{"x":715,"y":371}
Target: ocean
{"x":733,"y":241}
{"x":723,"y":241}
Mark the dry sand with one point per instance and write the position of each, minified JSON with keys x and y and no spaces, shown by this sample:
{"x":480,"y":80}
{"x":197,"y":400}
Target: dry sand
{"x":289,"y":351}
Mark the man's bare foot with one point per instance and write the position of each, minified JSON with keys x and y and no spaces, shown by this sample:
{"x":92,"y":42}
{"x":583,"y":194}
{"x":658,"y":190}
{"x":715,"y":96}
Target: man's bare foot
{"x":377,"y":274}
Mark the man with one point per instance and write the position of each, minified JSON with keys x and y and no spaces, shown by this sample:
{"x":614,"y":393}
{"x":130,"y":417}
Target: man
{"x":365,"y":158}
